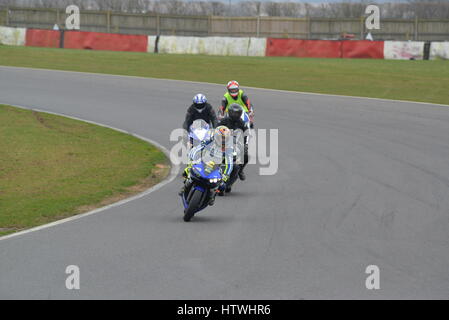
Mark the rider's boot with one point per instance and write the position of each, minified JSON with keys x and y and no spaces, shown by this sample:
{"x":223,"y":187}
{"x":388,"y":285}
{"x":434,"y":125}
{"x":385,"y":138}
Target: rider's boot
{"x":242,"y":175}
{"x":187,"y":184}
{"x":186,"y":180}
{"x":183,"y":189}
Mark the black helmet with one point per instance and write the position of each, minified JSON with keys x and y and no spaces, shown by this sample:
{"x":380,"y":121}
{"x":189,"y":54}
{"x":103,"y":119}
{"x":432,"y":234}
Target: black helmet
{"x":235,"y":111}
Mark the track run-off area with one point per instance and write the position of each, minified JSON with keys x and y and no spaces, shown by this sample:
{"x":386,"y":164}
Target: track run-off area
{"x":360,"y":182}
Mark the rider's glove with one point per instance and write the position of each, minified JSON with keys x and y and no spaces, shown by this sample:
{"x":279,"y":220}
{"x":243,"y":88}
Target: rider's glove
{"x":251,"y":117}
{"x":222,"y":186}
{"x":225,"y":178}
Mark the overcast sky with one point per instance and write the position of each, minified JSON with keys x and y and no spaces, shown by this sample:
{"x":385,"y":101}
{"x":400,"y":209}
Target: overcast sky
{"x":317,"y":1}
{"x":314,"y":1}
{"x":310,"y":1}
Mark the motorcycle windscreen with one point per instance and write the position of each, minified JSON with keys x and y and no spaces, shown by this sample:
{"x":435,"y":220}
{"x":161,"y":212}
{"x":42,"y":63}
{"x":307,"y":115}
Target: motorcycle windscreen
{"x":199,"y":130}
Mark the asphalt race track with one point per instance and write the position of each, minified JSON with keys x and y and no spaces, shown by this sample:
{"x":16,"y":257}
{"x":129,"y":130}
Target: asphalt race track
{"x":360,"y":182}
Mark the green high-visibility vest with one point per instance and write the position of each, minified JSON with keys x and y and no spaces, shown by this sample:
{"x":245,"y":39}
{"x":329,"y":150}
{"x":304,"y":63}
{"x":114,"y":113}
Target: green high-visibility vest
{"x":239,"y":100}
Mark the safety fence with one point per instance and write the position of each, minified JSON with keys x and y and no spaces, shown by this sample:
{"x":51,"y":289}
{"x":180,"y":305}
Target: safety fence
{"x":256,"y":26}
{"x":226,"y":46}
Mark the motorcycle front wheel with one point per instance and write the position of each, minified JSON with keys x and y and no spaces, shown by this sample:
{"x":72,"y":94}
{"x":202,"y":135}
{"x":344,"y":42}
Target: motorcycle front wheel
{"x":194,"y":204}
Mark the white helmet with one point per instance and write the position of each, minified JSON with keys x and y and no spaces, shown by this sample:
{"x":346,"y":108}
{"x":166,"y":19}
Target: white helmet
{"x":233,"y":88}
{"x":199,"y":101}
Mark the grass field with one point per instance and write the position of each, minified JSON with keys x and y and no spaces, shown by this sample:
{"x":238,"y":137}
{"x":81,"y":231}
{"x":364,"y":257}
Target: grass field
{"x":52,"y":167}
{"x":426,"y":81}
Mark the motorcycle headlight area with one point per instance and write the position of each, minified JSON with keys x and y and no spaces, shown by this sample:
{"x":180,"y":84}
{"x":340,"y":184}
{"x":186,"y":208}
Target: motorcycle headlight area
{"x":215,"y":180}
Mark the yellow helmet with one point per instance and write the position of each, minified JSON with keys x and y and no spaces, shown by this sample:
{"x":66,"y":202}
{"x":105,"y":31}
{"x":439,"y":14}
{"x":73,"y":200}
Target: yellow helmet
{"x":222,"y":137}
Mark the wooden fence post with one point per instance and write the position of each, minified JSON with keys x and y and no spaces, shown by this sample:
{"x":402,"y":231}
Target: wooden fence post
{"x":362,"y":27}
{"x":309,"y":28}
{"x":7,"y":16}
{"x":258,"y":27}
{"x":108,"y":21}
{"x":416,"y":28}
{"x":209,"y":25}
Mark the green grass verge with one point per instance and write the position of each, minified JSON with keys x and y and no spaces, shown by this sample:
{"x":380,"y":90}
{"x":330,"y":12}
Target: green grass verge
{"x":426,"y":81}
{"x":52,"y":167}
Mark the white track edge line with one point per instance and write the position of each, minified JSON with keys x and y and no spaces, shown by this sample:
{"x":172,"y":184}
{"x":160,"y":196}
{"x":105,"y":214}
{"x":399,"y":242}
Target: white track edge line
{"x":172,"y":175}
{"x":217,"y":84}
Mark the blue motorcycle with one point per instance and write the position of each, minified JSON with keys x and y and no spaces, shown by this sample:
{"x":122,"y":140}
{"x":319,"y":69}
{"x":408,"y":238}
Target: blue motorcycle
{"x":206,"y":177}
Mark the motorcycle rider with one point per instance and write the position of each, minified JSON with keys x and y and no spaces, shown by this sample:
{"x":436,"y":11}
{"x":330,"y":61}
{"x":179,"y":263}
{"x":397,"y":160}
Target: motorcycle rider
{"x":200,"y":109}
{"x":234,"y":122}
{"x":236,"y":95}
{"x":219,"y":148}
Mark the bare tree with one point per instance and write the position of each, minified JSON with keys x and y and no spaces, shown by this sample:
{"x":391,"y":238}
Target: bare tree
{"x":217,"y":9}
{"x":428,"y":9}
{"x":248,"y":8}
{"x":133,"y":6}
{"x":272,"y":9}
{"x":174,"y":6}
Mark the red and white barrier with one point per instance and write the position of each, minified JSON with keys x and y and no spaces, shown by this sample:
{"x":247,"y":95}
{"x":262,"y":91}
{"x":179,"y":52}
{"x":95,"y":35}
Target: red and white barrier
{"x":151,"y":44}
{"x":105,"y":41}
{"x":363,"y":49}
{"x":325,"y":48}
{"x":12,"y":36}
{"x":404,"y":50}
{"x":257,"y":47}
{"x":42,"y":38}
{"x":226,"y":46}
{"x":439,"y":50}
{"x":303,"y":48}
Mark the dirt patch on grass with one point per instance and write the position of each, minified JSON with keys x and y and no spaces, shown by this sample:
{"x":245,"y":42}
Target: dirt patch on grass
{"x":157,"y":175}
{"x":8,"y":229}
{"x":41,"y":120}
